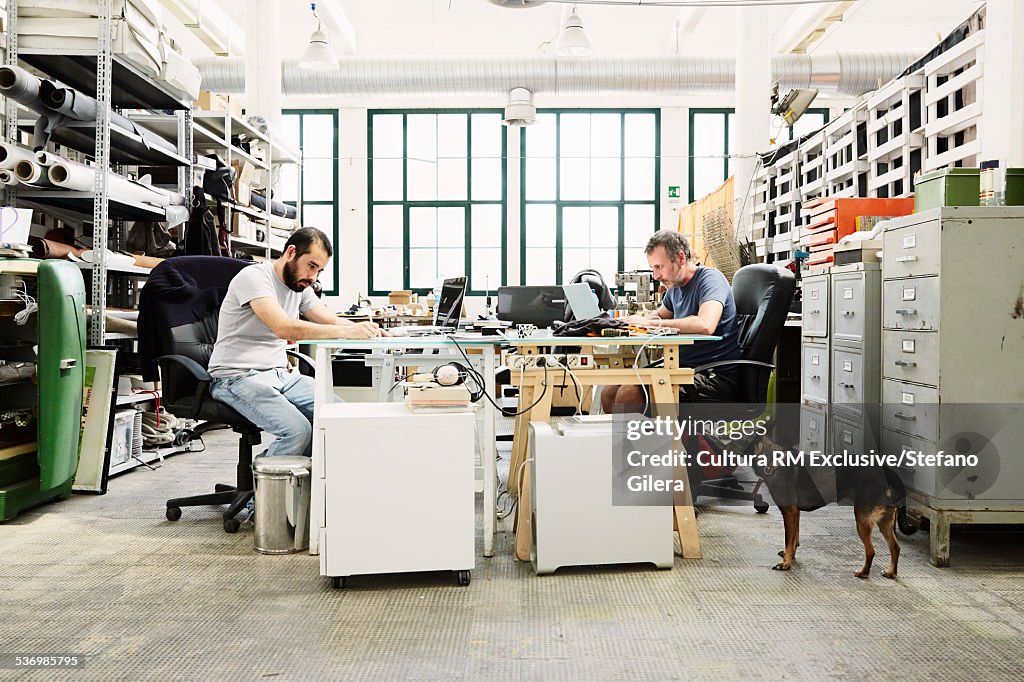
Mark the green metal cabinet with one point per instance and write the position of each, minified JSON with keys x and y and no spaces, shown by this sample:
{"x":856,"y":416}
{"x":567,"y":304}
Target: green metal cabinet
{"x":32,"y":478}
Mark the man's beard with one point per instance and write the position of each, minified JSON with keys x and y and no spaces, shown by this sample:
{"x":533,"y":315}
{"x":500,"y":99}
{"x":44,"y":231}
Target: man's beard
{"x":291,"y":277}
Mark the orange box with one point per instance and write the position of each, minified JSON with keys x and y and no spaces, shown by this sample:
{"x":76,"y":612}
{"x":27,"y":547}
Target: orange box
{"x":826,"y":237}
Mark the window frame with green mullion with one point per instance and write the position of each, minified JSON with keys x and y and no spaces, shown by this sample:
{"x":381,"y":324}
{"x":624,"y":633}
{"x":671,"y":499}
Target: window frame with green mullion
{"x":301,"y":203}
{"x":560,"y":204}
{"x":408,"y":205}
{"x":724,"y":112}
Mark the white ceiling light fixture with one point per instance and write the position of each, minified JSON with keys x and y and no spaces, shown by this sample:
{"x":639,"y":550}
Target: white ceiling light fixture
{"x":573,"y":41}
{"x":318,"y":55}
{"x":520,"y":110}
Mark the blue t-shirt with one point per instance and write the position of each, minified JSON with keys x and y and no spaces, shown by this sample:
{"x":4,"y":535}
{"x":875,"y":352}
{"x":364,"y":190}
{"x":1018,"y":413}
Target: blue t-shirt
{"x":707,"y":284}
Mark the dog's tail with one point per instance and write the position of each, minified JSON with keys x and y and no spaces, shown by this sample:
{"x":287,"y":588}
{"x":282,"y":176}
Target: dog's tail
{"x":906,"y":525}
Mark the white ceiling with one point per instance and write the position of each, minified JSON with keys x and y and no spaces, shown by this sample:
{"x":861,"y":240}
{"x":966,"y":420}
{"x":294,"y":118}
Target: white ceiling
{"x":478,"y":27}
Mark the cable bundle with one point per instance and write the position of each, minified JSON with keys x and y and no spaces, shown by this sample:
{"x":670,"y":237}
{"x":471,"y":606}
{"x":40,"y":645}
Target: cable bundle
{"x":158,"y":428}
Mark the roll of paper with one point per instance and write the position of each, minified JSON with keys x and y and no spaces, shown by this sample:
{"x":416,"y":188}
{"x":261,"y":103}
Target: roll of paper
{"x":77,"y":176}
{"x":11,"y":154}
{"x":31,"y":173}
{"x":7,"y":177}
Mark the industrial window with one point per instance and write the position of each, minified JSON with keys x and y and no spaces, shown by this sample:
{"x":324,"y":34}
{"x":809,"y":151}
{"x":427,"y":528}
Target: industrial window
{"x":711,"y":133}
{"x":589,"y":193}
{"x":315,"y":133}
{"x":437,"y":199}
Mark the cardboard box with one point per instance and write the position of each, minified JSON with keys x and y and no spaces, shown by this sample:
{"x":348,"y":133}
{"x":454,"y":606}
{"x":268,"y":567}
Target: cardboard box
{"x":243,"y":193}
{"x":400,"y":297}
{"x":208,"y":101}
{"x":244,"y":171}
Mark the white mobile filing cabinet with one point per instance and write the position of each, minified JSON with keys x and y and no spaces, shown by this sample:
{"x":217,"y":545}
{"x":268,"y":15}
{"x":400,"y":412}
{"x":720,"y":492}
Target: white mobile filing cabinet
{"x":952,"y":368}
{"x":397,"y":490}
{"x":574,"y":520}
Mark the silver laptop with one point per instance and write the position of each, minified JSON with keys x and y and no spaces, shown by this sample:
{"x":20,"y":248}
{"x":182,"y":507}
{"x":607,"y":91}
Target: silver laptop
{"x":582,"y":300}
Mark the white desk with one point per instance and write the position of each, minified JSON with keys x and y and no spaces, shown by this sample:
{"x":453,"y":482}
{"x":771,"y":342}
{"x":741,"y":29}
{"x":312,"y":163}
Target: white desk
{"x":487,"y":365}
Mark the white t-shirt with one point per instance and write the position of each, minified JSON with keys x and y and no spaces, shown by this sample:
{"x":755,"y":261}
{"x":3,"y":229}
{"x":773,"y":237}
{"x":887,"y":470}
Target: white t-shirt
{"x":244,"y":342}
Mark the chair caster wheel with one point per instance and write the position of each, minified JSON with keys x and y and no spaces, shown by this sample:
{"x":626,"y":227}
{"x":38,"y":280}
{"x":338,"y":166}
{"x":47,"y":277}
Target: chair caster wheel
{"x":463,"y":578}
{"x":231,"y":525}
{"x":338,"y":582}
{"x":173,"y":513}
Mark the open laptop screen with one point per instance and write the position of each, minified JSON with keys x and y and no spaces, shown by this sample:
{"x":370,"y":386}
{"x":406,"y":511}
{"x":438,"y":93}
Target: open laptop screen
{"x":449,"y":308}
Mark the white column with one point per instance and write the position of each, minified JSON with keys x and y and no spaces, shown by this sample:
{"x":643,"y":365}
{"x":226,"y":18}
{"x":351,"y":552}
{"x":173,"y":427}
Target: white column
{"x":753,"y":97}
{"x":263,"y":59}
{"x":1002,"y":101}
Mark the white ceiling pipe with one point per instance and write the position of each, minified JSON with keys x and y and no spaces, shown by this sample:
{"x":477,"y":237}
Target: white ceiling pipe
{"x":843,"y":74}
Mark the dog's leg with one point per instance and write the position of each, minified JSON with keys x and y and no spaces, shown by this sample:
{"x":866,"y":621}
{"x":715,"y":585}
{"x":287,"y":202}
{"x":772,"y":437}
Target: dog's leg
{"x":885,"y":526}
{"x":791,"y":523}
{"x":863,"y":516}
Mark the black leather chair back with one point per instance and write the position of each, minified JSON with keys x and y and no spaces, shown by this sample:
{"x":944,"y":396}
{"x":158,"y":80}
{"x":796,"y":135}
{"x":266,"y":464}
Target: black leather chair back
{"x":763,"y":293}
{"x":180,"y":307}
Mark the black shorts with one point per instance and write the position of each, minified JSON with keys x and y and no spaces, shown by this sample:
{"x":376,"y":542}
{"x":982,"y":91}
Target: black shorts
{"x":709,"y":386}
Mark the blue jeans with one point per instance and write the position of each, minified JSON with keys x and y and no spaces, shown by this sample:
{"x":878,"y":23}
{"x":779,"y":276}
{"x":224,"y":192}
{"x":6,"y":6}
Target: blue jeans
{"x":278,"y":402}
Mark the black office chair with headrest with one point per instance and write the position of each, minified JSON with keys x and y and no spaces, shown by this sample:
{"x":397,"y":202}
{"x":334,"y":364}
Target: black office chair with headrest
{"x":178,"y":314}
{"x":592,"y":278}
{"x":762,"y":293}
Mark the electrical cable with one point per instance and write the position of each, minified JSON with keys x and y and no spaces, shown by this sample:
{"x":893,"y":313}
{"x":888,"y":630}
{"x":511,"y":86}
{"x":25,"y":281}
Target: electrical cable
{"x":476,"y":376}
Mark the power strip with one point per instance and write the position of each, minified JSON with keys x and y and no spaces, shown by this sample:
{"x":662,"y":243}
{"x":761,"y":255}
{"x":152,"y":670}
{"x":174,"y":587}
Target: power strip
{"x":573,"y":361}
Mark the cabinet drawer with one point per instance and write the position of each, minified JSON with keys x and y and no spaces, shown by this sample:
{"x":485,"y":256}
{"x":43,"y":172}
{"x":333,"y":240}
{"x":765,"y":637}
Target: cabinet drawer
{"x":921,"y":479}
{"x":910,"y":409}
{"x":911,"y":251}
{"x":911,"y":356}
{"x":849,"y":436}
{"x":813,"y":435}
{"x":815,"y":382}
{"x":849,"y":381}
{"x":815,"y":306}
{"x":911,"y":303}
{"x":848,"y":307}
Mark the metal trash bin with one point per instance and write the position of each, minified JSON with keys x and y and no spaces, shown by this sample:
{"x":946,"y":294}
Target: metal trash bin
{"x":281,"y":521}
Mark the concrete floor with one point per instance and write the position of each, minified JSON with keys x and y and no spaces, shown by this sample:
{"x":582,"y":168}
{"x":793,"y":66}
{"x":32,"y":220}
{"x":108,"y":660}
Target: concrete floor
{"x":141,"y":598}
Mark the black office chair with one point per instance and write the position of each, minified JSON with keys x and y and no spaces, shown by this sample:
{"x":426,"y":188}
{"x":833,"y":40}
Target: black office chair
{"x":762,"y":294}
{"x":178,"y":315}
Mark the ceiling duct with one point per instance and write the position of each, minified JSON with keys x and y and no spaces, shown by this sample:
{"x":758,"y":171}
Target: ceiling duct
{"x":845,"y":74}
{"x":520,"y":110}
{"x":517,"y":4}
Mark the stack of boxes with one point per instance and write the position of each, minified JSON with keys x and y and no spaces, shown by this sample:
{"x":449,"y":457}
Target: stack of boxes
{"x":831,"y":219}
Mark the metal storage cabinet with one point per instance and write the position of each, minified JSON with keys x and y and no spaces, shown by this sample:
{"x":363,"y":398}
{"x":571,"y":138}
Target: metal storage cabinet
{"x":398,"y":490}
{"x":855,"y":322}
{"x":816,"y":380}
{"x":31,"y":478}
{"x":952,"y":369}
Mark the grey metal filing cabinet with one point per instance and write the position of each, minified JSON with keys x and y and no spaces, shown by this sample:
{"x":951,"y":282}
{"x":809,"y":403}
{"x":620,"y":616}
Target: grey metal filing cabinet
{"x":856,"y":323}
{"x":815,"y":382}
{"x":952,"y":368}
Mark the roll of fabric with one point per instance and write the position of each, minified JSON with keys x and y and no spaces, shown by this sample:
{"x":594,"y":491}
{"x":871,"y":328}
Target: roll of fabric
{"x":77,"y":176}
{"x":32,"y":173}
{"x":21,"y":86}
{"x":11,"y":154}
{"x":7,"y":177}
{"x":81,"y":107}
{"x":276,"y":207}
{"x":46,"y":159}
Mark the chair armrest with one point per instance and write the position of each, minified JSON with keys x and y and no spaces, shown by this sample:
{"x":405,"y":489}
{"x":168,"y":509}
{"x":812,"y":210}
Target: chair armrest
{"x":726,"y":363}
{"x":306,"y":364}
{"x":198,"y":373}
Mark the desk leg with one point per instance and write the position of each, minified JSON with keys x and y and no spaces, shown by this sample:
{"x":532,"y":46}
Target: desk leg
{"x":323,"y":393}
{"x":666,"y":401}
{"x":524,"y":524}
{"x":488,"y":452}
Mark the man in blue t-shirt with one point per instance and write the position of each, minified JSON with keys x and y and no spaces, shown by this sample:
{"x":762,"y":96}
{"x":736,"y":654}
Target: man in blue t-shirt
{"x":698,"y":301}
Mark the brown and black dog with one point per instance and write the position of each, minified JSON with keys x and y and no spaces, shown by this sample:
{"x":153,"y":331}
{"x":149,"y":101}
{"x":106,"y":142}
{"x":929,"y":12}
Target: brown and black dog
{"x":877,"y":495}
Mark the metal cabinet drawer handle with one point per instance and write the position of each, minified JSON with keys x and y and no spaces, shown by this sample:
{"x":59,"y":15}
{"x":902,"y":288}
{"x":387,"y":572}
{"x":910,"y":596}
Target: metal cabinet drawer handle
{"x":906,"y":311}
{"x":846,"y":385}
{"x":815,"y":376}
{"x":68,"y":363}
{"x":905,"y":417}
{"x":904,"y":363}
{"x":906,"y":259}
{"x":848,"y":313}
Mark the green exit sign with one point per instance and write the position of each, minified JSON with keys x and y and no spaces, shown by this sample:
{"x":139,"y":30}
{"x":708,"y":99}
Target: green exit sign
{"x":673,"y":191}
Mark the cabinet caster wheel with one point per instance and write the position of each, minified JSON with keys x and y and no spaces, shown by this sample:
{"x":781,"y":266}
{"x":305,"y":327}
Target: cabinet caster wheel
{"x":338,"y":582}
{"x":231,"y":525}
{"x":173,"y":513}
{"x":463,"y":578}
